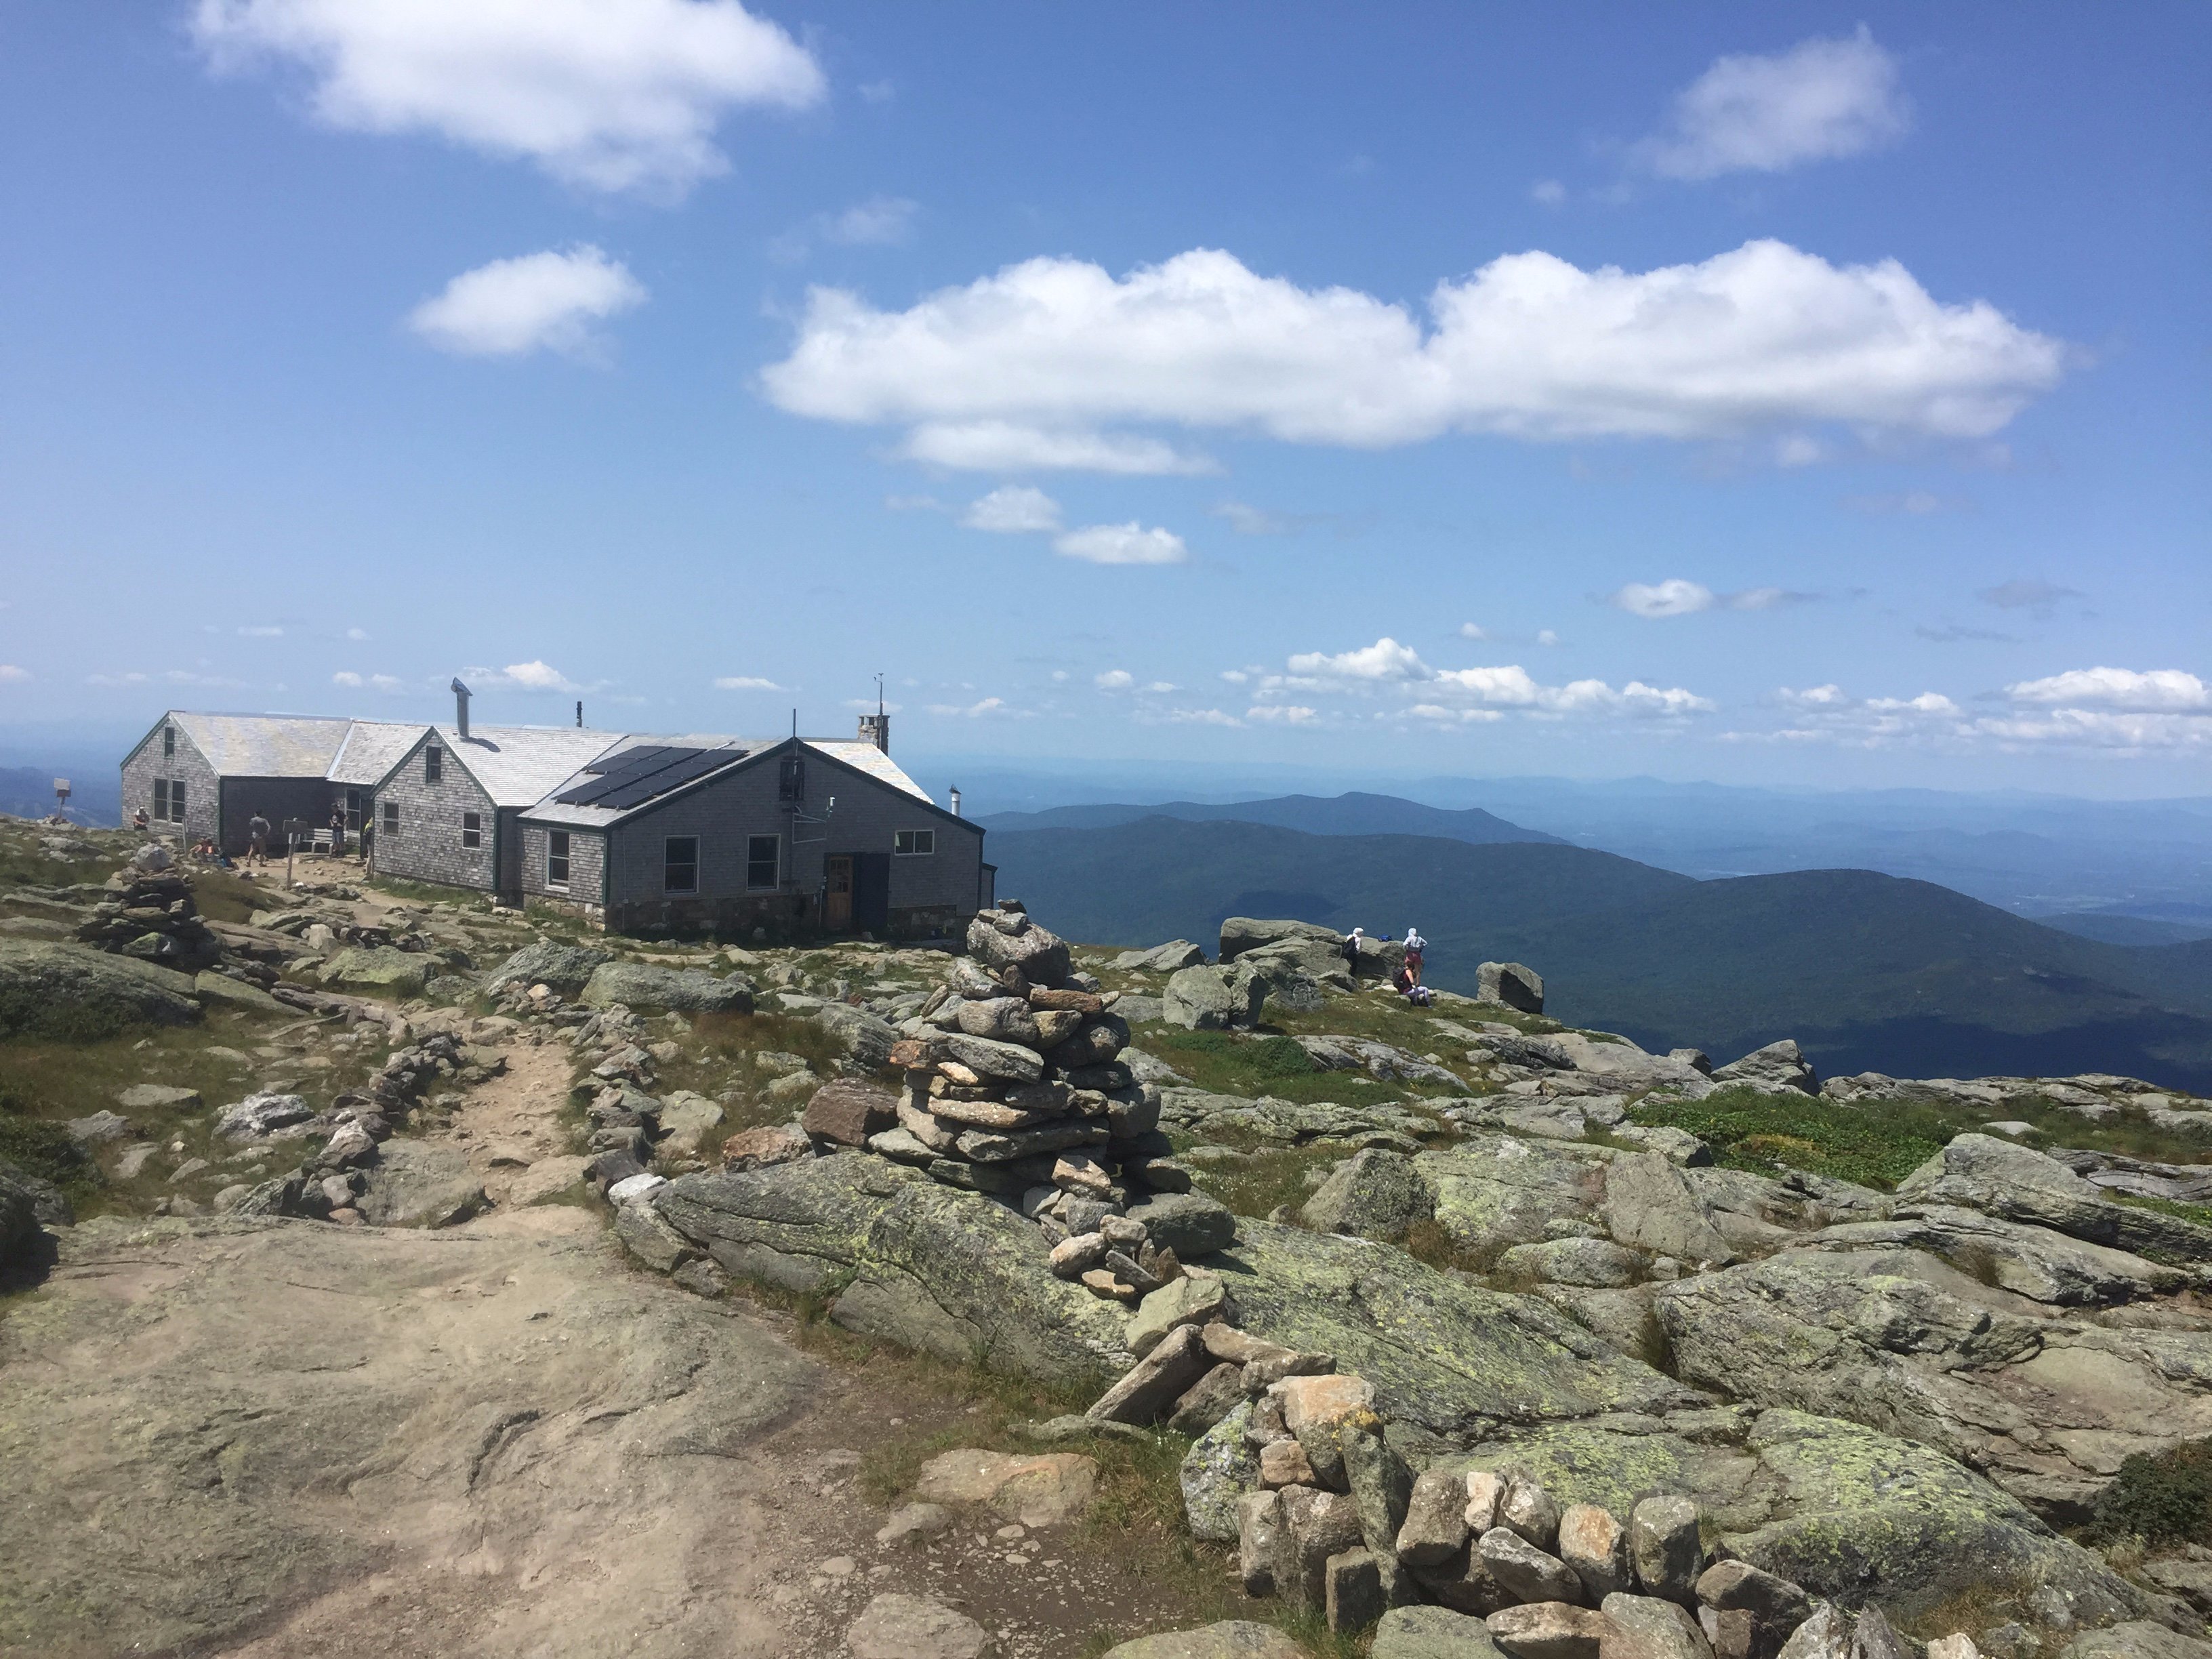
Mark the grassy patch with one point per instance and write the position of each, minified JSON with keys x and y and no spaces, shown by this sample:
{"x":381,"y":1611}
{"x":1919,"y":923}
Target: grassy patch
{"x":2163,"y":1498}
{"x":2199,"y":1213}
{"x":41,"y":1147}
{"x":1242,"y":1063}
{"x":1272,"y":1177}
{"x":225,"y":896}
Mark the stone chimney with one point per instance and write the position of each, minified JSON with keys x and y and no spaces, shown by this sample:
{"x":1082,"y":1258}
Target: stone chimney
{"x":461,"y":709}
{"x":876,"y":728}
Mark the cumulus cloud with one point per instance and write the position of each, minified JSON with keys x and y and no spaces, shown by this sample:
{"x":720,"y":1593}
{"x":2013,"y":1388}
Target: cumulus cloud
{"x":10,"y":674}
{"x":386,"y":683}
{"x":751,"y":683}
{"x":1036,"y":365}
{"x":608,"y":94}
{"x":2037,"y":598}
{"x":1199,"y":717}
{"x":539,"y":301}
{"x":1678,"y":598}
{"x":1547,"y":192}
{"x":2158,"y":691}
{"x":1821,"y":101}
{"x":1389,"y":665}
{"x":1283,"y":714}
{"x":879,"y":221}
{"x":533,"y":676}
{"x":1114,"y":679}
{"x":1013,"y":507}
{"x":1121,"y":543}
{"x":975,"y":710}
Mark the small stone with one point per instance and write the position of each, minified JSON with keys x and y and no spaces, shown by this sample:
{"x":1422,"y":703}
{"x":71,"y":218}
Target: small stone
{"x":1157,"y":1381}
{"x":1646,"y":1627}
{"x":1283,"y":1463}
{"x":1046,"y":1489}
{"x":1352,"y":1596}
{"x":1595,"y":1544}
{"x":702,"y":1277}
{"x":1486,"y":1492}
{"x":1529,"y":1510}
{"x":1874,"y":1637}
{"x":914,"y":1627}
{"x":1101,"y":1282}
{"x":847,"y":1112}
{"x":1664,"y":1548}
{"x":1380,"y":1483}
{"x":98,"y":1129}
{"x":1731,"y":1634}
{"x":1776,"y":1606}
{"x":1259,"y":1533}
{"x":761,"y":1148}
{"x":1187,"y":1302}
{"x":1208,"y":1400}
{"x":1958,"y":1646}
{"x":1527,"y":1573}
{"x":1435,"y":1527}
{"x":1827,"y":1635}
{"x":1547,"y":1629}
{"x":1076,"y":1257}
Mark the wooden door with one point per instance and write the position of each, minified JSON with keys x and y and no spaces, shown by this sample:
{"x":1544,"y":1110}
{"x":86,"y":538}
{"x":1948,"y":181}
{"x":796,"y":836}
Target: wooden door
{"x":837,"y":903}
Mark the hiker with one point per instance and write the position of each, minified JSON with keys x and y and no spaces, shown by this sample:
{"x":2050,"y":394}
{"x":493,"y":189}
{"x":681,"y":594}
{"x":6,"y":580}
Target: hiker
{"x":1415,"y":947}
{"x":1410,"y":987}
{"x":1351,"y":949}
{"x":138,"y":820}
{"x":338,"y":832}
{"x":257,"y":840}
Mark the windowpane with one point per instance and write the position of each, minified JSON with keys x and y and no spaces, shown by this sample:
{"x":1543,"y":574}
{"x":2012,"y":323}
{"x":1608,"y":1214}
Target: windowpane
{"x":913,"y":843}
{"x":177,"y":801}
{"x":168,"y":741}
{"x":791,"y":779}
{"x":433,"y":764}
{"x":392,"y":817}
{"x":472,"y":829}
{"x":161,"y":800}
{"x":680,"y":871}
{"x":556,"y":858}
{"x":763,"y":857}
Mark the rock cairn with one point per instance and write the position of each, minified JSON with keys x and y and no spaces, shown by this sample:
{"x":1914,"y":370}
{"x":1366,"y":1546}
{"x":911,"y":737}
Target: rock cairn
{"x":1014,"y":1087}
{"x":147,"y":911}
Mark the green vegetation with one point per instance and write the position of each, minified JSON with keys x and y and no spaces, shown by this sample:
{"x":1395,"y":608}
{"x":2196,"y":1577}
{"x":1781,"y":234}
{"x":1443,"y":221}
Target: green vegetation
{"x":41,"y":1147}
{"x":2199,"y":1213}
{"x":2161,"y":1498}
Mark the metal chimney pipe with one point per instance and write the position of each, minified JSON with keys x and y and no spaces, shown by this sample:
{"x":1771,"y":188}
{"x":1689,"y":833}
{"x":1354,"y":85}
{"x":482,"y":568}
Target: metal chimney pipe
{"x":956,"y":802}
{"x":580,"y":713}
{"x":460,"y":708}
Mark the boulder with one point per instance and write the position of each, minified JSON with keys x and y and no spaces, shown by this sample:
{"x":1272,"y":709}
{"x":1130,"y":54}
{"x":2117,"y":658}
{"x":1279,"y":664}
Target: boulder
{"x":1000,"y":940}
{"x":1428,"y":1632}
{"x":1234,"y":1639}
{"x":652,"y":1240}
{"x":895,"y":1627}
{"x":1593,"y":1541}
{"x":1592,"y":1263}
{"x":73,"y":994}
{"x":565,"y":969}
{"x":1376,"y":1194}
{"x":2137,"y":1638}
{"x":866,"y":1039}
{"x":1188,"y":1300}
{"x":1009,"y":1061}
{"x":650,"y":988}
{"x":377,"y":969}
{"x":1547,"y":1629}
{"x":1242,"y":934}
{"x":258,"y":1117}
{"x":414,"y":1184}
{"x":210,"y":987}
{"x":19,"y":1216}
{"x":757,"y":1149}
{"x":1047,"y":1490}
{"x":1161,"y":958}
{"x":2013,"y":1181}
{"x":686,"y":1120}
{"x":847,"y":1112}
{"x":1649,"y":1205}
{"x":1526,"y":1572}
{"x":1511,"y":985}
{"x":1436,"y":1525}
{"x":158,"y":1097}
{"x":1645,"y":1628}
{"x":1666,"y":1549}
{"x":1191,"y":1224}
{"x":1352,"y":1596}
{"x":1778,"y":1068}
{"x":1215,"y":999}
{"x":1494,"y":1191}
{"x":99,"y":1128}
{"x":1219,"y":1473}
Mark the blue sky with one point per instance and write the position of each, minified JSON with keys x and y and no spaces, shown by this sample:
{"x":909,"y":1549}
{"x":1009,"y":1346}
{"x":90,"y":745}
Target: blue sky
{"x":1756,"y":394}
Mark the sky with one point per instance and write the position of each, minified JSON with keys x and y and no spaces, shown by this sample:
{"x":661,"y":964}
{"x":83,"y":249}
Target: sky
{"x":1795,"y":394}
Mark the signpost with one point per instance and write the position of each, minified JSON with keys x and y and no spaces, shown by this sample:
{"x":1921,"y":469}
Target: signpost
{"x":61,"y":800}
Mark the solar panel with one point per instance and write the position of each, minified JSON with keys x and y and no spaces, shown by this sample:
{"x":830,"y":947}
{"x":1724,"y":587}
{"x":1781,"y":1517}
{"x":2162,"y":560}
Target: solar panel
{"x":694,"y":764}
{"x":606,"y":765}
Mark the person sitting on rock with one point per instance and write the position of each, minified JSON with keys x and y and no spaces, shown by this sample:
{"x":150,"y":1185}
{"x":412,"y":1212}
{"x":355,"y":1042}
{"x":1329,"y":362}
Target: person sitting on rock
{"x":1410,"y":987}
{"x":138,"y":820}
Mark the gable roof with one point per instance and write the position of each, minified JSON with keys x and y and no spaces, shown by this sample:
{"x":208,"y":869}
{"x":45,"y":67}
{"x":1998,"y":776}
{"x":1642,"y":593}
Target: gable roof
{"x":863,"y":758}
{"x":265,"y":745}
{"x":372,"y":749}
{"x":519,"y":765}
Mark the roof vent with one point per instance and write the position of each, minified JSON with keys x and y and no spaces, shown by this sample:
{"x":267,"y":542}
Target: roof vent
{"x":461,"y":709}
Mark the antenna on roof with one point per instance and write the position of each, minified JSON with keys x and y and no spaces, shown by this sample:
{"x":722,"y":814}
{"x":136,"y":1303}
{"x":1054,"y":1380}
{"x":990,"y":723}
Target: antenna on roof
{"x":794,"y":725}
{"x":879,"y":693}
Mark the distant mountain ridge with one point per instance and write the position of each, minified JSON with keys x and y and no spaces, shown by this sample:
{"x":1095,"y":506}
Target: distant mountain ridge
{"x":1354,"y":814}
{"x":1869,"y":971}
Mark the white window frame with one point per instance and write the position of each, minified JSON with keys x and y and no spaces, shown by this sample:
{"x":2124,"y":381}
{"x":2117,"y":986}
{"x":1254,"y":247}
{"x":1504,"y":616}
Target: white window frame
{"x":556,"y":849}
{"x":915,"y":839}
{"x":752,"y":886}
{"x":668,"y":841}
{"x":472,"y":825}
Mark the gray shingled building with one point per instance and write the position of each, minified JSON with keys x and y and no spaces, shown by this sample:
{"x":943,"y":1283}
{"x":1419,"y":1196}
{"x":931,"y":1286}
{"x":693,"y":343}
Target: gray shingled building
{"x":636,"y":833}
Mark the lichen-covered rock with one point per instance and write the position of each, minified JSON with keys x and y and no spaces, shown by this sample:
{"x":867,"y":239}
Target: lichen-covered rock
{"x":1495,"y":1191}
{"x":377,"y":968}
{"x":74,"y":993}
{"x":1233,"y":1638}
{"x":415,"y":1184}
{"x":1511,"y":985}
{"x":565,"y":969}
{"x":1984,"y":1172}
{"x":1778,"y":1066}
{"x":1649,"y":1205}
{"x":649,"y":986}
{"x":1218,"y":1472}
{"x":905,"y":1258}
{"x":1191,"y":1224}
{"x":1000,"y":940}
{"x":1426,"y":1632}
{"x":1215,"y":999}
{"x":1376,"y":1194}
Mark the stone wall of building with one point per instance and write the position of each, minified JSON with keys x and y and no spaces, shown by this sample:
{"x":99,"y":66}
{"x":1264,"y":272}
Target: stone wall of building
{"x":427,"y":846}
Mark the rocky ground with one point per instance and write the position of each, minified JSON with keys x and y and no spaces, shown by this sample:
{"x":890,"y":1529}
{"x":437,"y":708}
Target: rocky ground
{"x":320,"y":1339}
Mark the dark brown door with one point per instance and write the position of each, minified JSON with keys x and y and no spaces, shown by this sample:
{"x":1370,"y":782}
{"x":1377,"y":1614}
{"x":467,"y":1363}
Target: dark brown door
{"x":837,"y":905}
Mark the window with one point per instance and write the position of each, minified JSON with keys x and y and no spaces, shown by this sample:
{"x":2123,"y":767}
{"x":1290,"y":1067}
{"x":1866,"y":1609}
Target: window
{"x":433,"y":764}
{"x":161,"y":800}
{"x":353,"y":809}
{"x":471,"y":828}
{"x":177,"y":801}
{"x":913,"y":843}
{"x":679,"y":869}
{"x":556,"y":858}
{"x":168,"y":741}
{"x":763,"y":860}
{"x":791,"y":779}
{"x":392,"y":817}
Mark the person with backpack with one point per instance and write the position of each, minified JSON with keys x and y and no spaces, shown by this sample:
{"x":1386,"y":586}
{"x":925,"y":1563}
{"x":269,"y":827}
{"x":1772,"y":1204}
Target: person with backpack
{"x":257,"y":840}
{"x":1416,"y":948}
{"x":1349,"y":949}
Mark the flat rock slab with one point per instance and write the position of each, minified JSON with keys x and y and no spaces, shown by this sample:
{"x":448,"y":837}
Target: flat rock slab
{"x":1431,"y":1633}
{"x":1234,"y":1639}
{"x":415,"y":1184}
{"x":75,"y":993}
{"x":914,"y":1627}
{"x":259,"y":1438}
{"x":1047,"y":1490}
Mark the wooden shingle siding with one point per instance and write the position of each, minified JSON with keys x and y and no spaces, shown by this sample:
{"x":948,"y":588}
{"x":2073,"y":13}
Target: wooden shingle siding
{"x":427,"y":846}
{"x":188,"y":766}
{"x":586,"y":866}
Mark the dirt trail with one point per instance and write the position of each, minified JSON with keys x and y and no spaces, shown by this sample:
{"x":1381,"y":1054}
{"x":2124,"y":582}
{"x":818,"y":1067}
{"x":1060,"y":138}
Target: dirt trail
{"x":509,"y":1128}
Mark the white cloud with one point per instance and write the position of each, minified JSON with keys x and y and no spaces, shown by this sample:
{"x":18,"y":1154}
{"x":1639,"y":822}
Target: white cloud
{"x":1928,"y":702}
{"x":1160,"y":688}
{"x":1548,"y":636}
{"x":384,"y":682}
{"x":2159,"y":691}
{"x":1248,"y":520}
{"x":1678,"y":598}
{"x":1473,"y":631}
{"x":1114,"y":679}
{"x":879,"y":221}
{"x":1388,"y":664}
{"x":346,"y":676}
{"x":533,"y":676}
{"x":1818,"y":696}
{"x":1283,"y":714}
{"x":974,"y":710}
{"x":1444,"y":716}
{"x":544,"y":300}
{"x":1013,"y":507}
{"x":751,"y":683}
{"x":2093,"y":728}
{"x":1004,"y":447}
{"x":356,"y":633}
{"x":1122,"y":543}
{"x":1199,"y":717}
{"x":12,"y":675}
{"x":609,"y":94}
{"x":1821,"y":101}
{"x":261,"y":633}
{"x":1547,"y":192}
{"x":1672,"y":598}
{"x":1029,"y":368}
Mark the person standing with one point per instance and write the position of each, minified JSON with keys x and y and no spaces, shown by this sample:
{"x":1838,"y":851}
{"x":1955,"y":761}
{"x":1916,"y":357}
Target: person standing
{"x":257,"y":840}
{"x":338,"y":832}
{"x":1416,"y":949}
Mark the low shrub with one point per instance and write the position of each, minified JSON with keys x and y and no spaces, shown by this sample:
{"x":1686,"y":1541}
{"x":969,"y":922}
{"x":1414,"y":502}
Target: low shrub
{"x":2161,"y":1497}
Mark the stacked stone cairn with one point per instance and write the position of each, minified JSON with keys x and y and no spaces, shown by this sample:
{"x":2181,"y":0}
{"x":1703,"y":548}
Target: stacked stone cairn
{"x":1013,"y":1087}
{"x":149,"y":913}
